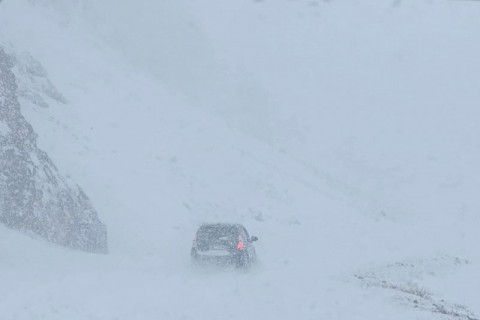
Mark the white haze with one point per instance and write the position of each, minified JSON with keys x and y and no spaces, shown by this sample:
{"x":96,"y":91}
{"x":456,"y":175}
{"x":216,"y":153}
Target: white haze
{"x":344,"y":134}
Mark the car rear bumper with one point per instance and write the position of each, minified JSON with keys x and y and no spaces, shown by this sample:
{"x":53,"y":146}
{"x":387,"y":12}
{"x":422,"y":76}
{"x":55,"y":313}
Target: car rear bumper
{"x":215,"y":258}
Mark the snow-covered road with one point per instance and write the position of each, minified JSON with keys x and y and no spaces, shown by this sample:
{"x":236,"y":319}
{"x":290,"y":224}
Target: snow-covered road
{"x":345,"y":136}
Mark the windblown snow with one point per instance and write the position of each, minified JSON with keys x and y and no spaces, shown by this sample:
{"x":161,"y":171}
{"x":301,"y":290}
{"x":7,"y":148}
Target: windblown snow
{"x":343,"y":134}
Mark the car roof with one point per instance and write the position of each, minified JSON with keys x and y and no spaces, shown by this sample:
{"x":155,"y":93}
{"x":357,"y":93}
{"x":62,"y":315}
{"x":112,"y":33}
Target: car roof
{"x":220,"y":224}
{"x":226,"y":224}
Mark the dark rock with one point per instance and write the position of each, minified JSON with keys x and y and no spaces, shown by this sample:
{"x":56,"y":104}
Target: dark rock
{"x":34,"y":197}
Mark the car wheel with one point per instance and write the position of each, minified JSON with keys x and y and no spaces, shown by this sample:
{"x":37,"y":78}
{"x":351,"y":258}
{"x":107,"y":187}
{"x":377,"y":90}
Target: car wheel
{"x":194,"y":254}
{"x":242,"y":261}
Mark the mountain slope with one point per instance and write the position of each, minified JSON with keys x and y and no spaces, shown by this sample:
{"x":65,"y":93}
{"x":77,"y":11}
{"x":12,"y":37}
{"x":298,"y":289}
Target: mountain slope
{"x":35,"y":197}
{"x":317,"y":125}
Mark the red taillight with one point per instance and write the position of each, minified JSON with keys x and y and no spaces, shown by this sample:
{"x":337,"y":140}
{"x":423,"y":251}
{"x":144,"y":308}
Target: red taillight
{"x":240,"y":245}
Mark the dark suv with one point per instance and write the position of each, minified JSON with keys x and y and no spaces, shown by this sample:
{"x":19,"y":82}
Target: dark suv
{"x":224,"y":243}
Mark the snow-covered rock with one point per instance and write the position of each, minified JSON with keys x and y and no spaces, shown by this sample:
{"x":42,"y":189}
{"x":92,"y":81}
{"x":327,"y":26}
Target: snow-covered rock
{"x":34,"y":196}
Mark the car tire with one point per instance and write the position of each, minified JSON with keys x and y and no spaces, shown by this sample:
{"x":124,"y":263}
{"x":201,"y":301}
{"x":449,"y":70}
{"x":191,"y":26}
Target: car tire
{"x":242,"y":261}
{"x":194,"y":255}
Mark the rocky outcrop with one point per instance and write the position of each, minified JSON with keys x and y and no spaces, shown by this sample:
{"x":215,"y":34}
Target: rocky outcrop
{"x":34,"y":197}
{"x":33,"y":84}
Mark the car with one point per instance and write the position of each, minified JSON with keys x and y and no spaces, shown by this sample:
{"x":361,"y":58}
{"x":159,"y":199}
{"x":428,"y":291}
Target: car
{"x":224,"y":244}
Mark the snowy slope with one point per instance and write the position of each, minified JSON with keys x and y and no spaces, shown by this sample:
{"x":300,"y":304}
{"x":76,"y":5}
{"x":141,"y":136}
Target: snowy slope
{"x":342,"y":134}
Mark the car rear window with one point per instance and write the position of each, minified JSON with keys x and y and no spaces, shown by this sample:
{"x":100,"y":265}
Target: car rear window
{"x":214,"y":233}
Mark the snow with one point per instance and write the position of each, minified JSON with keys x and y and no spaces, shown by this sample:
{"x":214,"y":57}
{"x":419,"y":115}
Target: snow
{"x":344,"y":135}
{"x":4,"y":129}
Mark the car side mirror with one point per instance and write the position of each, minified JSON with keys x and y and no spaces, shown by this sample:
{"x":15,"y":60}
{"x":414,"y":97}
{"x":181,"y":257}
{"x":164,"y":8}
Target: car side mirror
{"x":253,"y":238}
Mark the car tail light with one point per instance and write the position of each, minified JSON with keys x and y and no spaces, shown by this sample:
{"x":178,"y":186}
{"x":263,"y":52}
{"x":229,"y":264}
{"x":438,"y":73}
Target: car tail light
{"x":240,"y":243}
